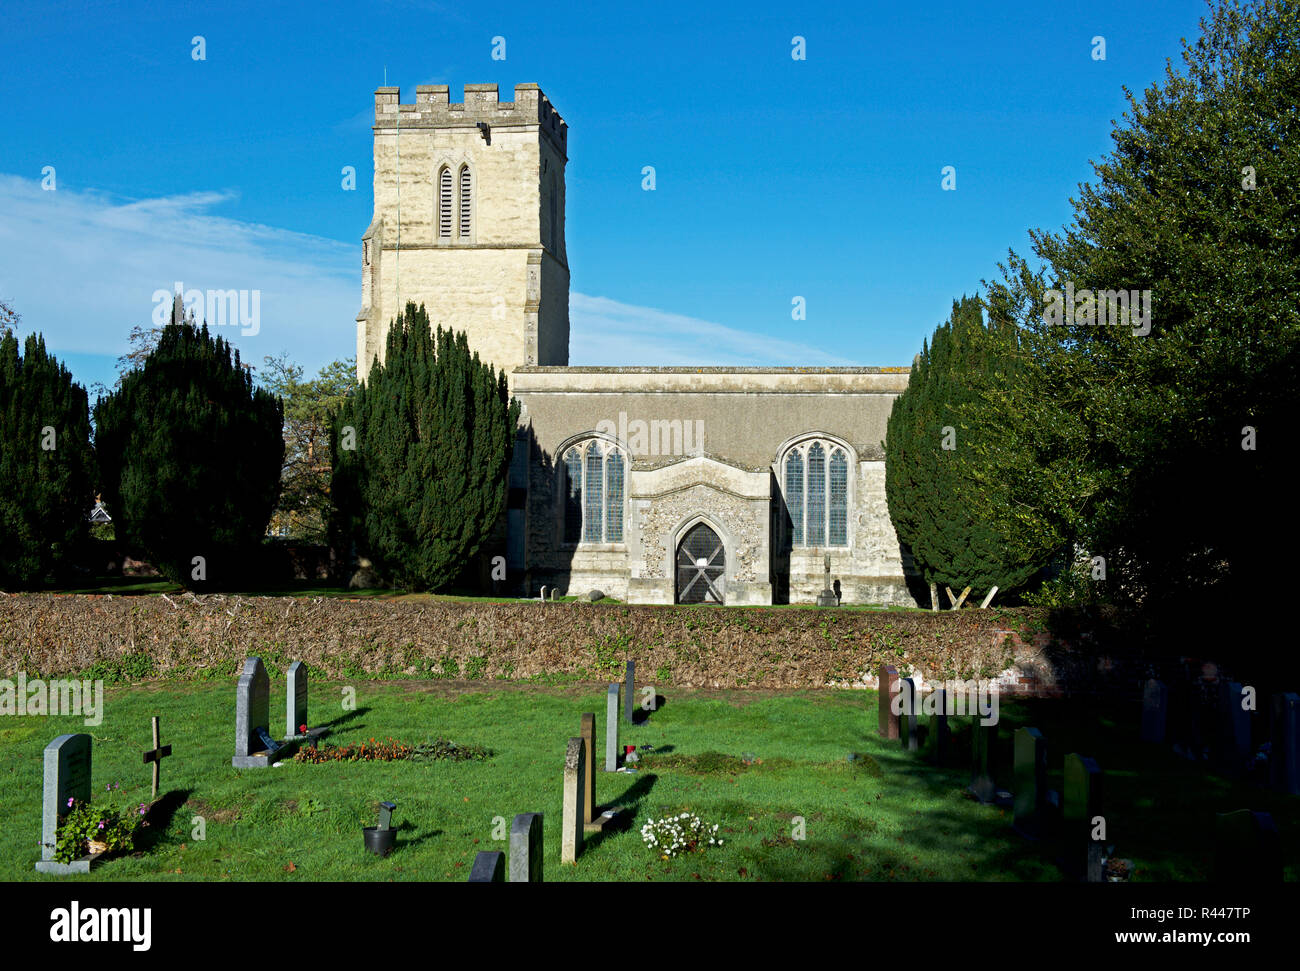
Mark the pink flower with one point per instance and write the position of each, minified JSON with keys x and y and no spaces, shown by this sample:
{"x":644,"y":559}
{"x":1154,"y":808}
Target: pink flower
{"x":101,"y":824}
{"x":70,"y":801}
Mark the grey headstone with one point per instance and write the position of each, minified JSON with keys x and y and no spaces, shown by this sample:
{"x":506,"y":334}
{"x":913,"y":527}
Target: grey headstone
{"x":296,"y":699}
{"x":888,"y":721}
{"x":611,"y":728}
{"x":571,"y":822}
{"x":984,"y":752}
{"x":67,"y":776}
{"x":907,"y":719}
{"x":629,"y":692}
{"x":489,"y":867}
{"x":1030,"y":792}
{"x":1233,"y":747}
{"x":1155,"y":711}
{"x":526,"y":848}
{"x":1247,"y":848}
{"x":252,"y":718}
{"x":1081,"y":804}
{"x":1284,"y":752}
{"x":942,"y":730}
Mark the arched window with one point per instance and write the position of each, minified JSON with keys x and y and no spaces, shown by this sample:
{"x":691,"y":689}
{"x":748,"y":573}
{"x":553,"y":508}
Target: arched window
{"x":444,"y":204}
{"x":592,"y":492}
{"x":816,"y":497}
{"x":466,"y":198}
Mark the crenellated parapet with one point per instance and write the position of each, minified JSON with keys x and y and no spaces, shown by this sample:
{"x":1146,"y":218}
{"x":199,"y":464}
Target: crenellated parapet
{"x":434,"y":109}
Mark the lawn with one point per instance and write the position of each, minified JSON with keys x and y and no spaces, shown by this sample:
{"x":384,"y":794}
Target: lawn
{"x":885,"y":815}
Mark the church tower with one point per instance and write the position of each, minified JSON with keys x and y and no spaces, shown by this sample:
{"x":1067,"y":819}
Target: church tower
{"x":469,"y":221}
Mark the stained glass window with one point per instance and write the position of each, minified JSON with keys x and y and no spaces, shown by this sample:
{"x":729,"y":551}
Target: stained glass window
{"x":794,"y":495}
{"x":816,"y":495}
{"x":614,"y":497}
{"x":838,"y":531}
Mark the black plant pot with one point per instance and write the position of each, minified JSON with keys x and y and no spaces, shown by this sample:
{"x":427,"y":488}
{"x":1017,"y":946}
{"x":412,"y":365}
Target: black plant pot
{"x":379,"y":841}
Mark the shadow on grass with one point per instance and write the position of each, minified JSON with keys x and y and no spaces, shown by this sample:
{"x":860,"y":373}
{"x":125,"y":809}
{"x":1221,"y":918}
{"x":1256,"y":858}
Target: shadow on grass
{"x":158,"y":818}
{"x":628,"y":806}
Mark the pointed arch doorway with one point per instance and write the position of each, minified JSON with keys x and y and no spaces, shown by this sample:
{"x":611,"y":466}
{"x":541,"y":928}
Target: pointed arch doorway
{"x":701,"y":567}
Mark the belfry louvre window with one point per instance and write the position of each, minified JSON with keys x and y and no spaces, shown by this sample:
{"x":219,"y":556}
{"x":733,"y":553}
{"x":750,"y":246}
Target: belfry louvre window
{"x":444,"y":204}
{"x":818,"y":502}
{"x":466,"y":195}
{"x":592,"y":493}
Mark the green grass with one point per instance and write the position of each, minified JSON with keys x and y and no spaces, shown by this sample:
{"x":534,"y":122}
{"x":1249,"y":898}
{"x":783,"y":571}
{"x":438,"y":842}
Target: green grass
{"x":883,"y":816}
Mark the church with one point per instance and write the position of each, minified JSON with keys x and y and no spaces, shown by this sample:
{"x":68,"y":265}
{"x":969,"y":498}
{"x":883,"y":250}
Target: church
{"x":657,"y":485}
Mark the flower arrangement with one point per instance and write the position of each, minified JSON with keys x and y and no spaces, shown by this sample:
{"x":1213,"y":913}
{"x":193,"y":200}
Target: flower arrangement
{"x":684,"y":833}
{"x":390,"y":750}
{"x":88,"y":828}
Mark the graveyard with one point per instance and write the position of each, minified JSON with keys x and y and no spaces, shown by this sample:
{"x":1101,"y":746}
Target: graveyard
{"x":803,"y":786}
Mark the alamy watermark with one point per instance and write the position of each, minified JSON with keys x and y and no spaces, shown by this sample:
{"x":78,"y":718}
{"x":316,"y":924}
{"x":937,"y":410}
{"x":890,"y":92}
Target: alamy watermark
{"x":1115,"y":308}
{"x":958,"y":698}
{"x":655,"y":437}
{"x":56,"y":697}
{"x":218,"y":308}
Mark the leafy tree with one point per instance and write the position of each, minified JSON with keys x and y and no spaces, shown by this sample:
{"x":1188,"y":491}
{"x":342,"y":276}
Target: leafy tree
{"x":303,"y":509}
{"x":1181,"y":435}
{"x":950,"y":462}
{"x":8,"y":318}
{"x":189,"y":456}
{"x":46,"y":464}
{"x":431,"y":430}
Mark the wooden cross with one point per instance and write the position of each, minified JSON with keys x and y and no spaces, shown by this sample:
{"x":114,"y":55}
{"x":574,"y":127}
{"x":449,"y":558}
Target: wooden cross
{"x":156,"y":756}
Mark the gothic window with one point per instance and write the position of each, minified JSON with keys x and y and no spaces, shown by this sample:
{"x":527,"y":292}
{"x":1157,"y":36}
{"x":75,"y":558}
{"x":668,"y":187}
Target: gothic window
{"x":466,"y":196}
{"x":444,"y":204}
{"x":592,"y":492}
{"x":816,"y":484}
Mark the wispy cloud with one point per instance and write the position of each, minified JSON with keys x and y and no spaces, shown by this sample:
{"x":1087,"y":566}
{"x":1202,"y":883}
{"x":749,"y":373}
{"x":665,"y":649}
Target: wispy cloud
{"x":607,"y":332}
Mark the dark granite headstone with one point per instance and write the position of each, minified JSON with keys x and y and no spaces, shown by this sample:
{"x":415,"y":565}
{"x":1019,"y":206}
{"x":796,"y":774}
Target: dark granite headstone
{"x":942,"y":730}
{"x":67,"y":776}
{"x":1030,"y":795}
{"x":1233,"y":748}
{"x":629,"y":688}
{"x":908,"y":716}
{"x":489,"y":867}
{"x":888,"y":726}
{"x":526,"y":848}
{"x":1284,"y":750}
{"x":984,"y":753}
{"x":1155,"y":711}
{"x":1082,"y":804}
{"x":1247,"y":848}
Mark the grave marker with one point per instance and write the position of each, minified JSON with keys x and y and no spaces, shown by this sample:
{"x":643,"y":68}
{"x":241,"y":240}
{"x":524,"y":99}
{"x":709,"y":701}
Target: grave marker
{"x":1234,"y":748}
{"x":1082,"y":804}
{"x":526,"y":848}
{"x":939,"y":725}
{"x":629,"y":692}
{"x":984,"y":754}
{"x":254,"y":748}
{"x":1155,"y":711}
{"x":1030,"y":795}
{"x":611,"y":728}
{"x":156,"y":756}
{"x":295,"y":699}
{"x":67,"y":776}
{"x":574,"y":782}
{"x":489,"y":867}
{"x":888,"y":721}
{"x":1247,"y":848}
{"x":907,"y":718}
{"x":1284,"y":752}
{"x":588,"y":734}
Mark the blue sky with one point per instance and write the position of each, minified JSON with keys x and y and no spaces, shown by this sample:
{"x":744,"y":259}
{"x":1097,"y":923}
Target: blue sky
{"x":776,"y":178}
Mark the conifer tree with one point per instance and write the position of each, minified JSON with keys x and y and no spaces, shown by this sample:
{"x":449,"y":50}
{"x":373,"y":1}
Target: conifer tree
{"x":189,"y":458}
{"x":421,"y":455}
{"x":46,"y":464}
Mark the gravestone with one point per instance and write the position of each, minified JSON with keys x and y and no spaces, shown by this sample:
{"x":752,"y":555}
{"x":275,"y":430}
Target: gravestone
{"x":888,"y":721}
{"x":155,"y":756}
{"x":984,"y":754}
{"x":587,"y":733}
{"x":942,"y":730}
{"x":611,"y":728}
{"x":629,"y":692}
{"x":1247,"y":848}
{"x":574,"y":783}
{"x":295,"y":699}
{"x":489,"y":867}
{"x":907,"y":718}
{"x":827,"y":597}
{"x":1155,"y":711}
{"x":526,"y":848}
{"x":67,"y":776}
{"x":1030,"y":796}
{"x":1233,"y":747}
{"x":1284,"y":750}
{"x":254,"y":748}
{"x":1082,"y":804}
